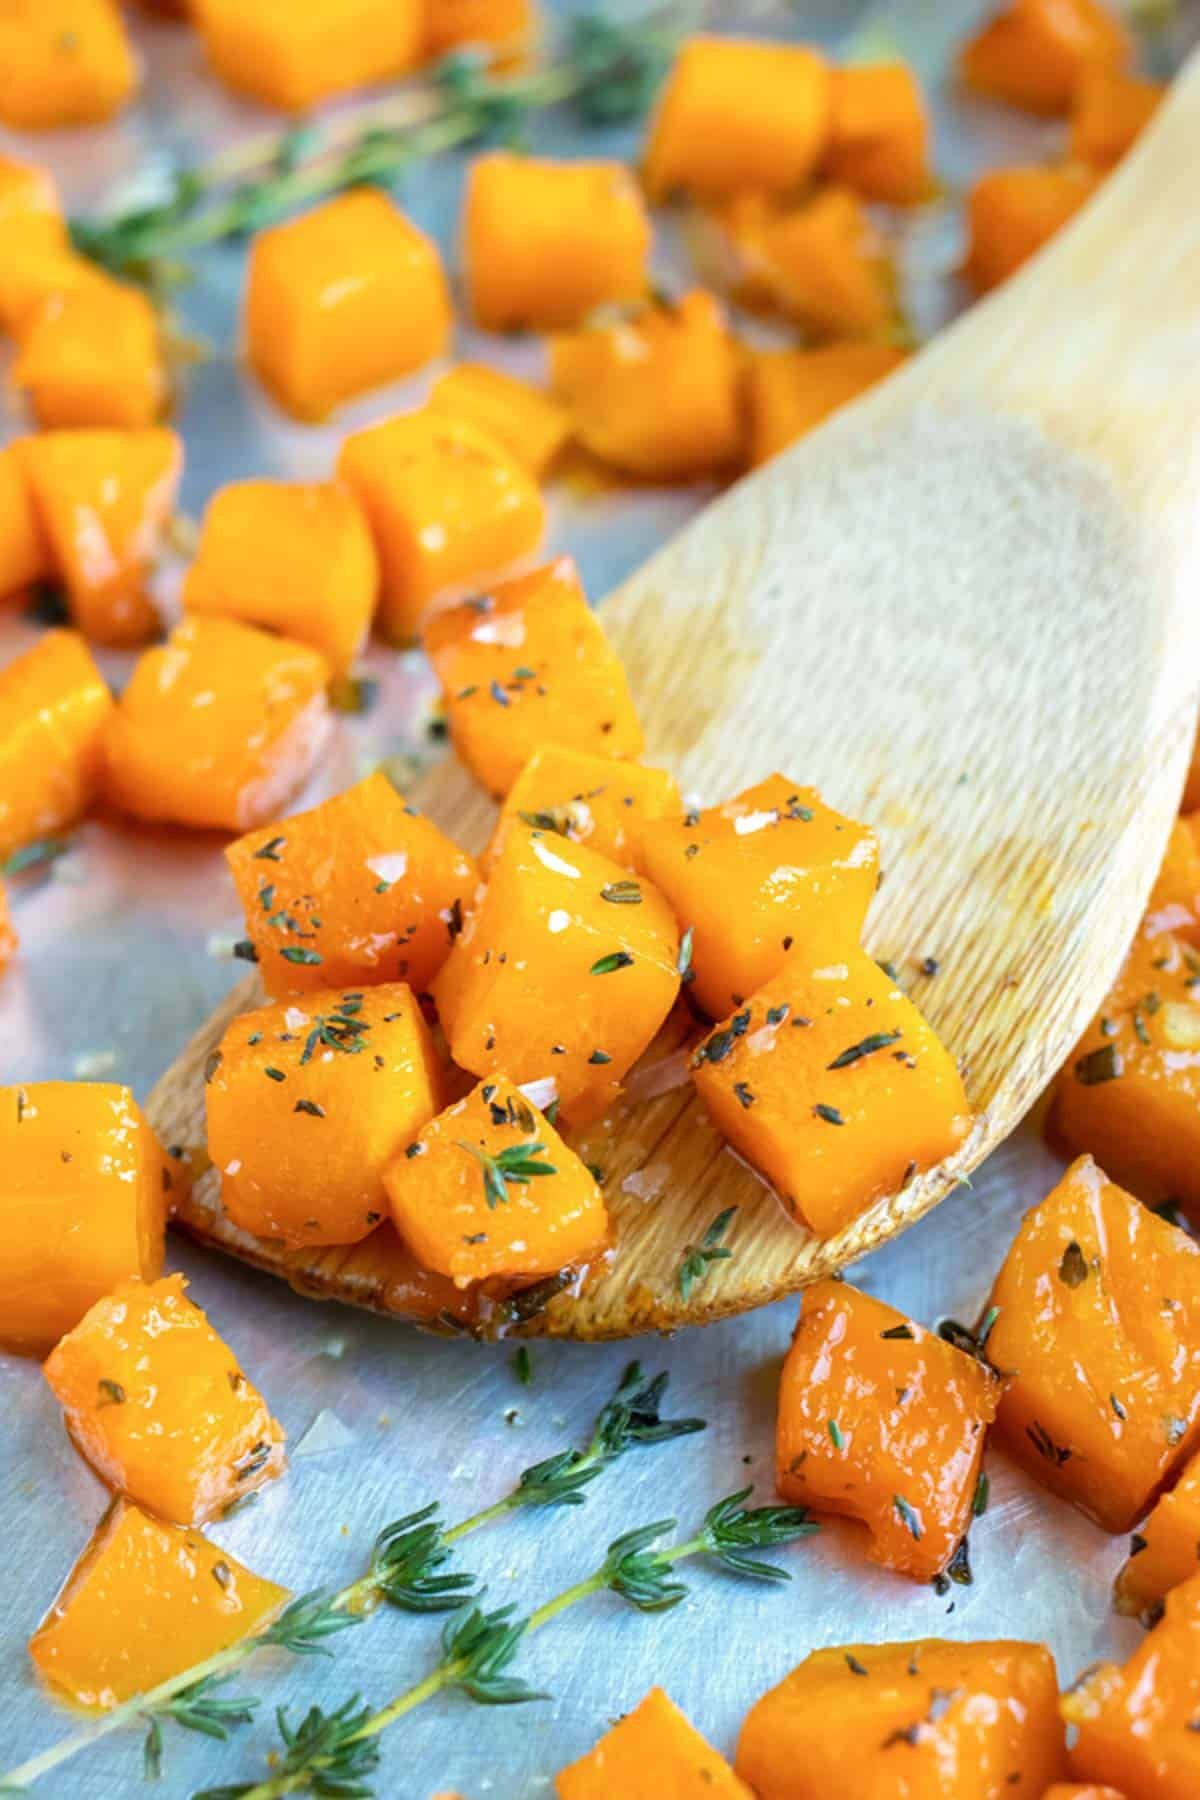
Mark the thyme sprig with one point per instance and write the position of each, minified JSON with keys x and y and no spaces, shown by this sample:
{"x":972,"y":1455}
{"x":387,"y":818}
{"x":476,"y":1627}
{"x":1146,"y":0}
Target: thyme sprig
{"x":516,"y":1163}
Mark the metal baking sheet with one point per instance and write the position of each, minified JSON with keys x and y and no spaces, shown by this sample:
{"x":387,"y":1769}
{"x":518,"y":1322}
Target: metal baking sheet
{"x":125,"y":949}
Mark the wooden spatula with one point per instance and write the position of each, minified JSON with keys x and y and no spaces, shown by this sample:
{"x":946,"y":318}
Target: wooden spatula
{"x":968,"y":609}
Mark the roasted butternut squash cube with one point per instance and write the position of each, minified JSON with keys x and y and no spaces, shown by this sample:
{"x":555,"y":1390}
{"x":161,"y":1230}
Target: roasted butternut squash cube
{"x":1110,"y":113}
{"x":93,"y":358}
{"x":651,"y":1752}
{"x":1174,"y":904}
{"x":565,"y":969}
{"x":879,"y":137}
{"x":530,"y":424}
{"x":156,"y":1402}
{"x":656,"y":394}
{"x":30,"y":209}
{"x":507,"y":27}
{"x":293,"y":556}
{"x":488,"y":1189}
{"x":822,"y":263}
{"x":447,"y":505}
{"x":829,"y":1081}
{"x":791,"y":392}
{"x":1106,"y":1426}
{"x":1165,"y":1549}
{"x":544,"y":243}
{"x":969,"y":1720}
{"x":1034,"y":53}
{"x":292,"y":56}
{"x":360,"y":889}
{"x":9,"y":942}
{"x":738,"y":113}
{"x":33,"y":273}
{"x":307,"y":1102}
{"x":771,"y":871}
{"x":589,"y":800}
{"x":527,"y":665}
{"x":24,"y":552}
{"x":345,"y":298}
{"x":54,"y":706}
{"x":1011,"y":213}
{"x":83,"y":1204}
{"x":104,"y":499}
{"x":144,"y":1602}
{"x":217,"y":728}
{"x":883,"y":1422}
{"x":1135,"y":1723}
{"x":63,"y":62}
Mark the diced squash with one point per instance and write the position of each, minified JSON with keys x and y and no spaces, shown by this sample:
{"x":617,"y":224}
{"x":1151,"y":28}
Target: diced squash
{"x":771,"y":871}
{"x":589,"y":800}
{"x":83,"y":1204}
{"x":1106,"y":1425}
{"x":104,"y":499}
{"x":737,"y":113}
{"x":822,"y":262}
{"x":24,"y":552}
{"x":546,"y":242}
{"x":448,"y":505}
{"x":530,"y":424}
{"x":1165,"y":1549}
{"x":1035,"y":53}
{"x":1111,"y":111}
{"x":293,"y":556}
{"x":63,"y":62}
{"x":526,"y":665}
{"x":655,"y":394}
{"x":30,"y":209}
{"x":156,"y":1402}
{"x":651,"y":1753}
{"x":307,"y":1102}
{"x":829,"y":1081}
{"x":144,"y":1602}
{"x":93,"y":358}
{"x":883,"y":1422}
{"x":9,"y":942}
{"x":1136,"y":1724}
{"x":488,"y":1189}
{"x":293,"y":56}
{"x":345,"y":298}
{"x":950,"y":1721}
{"x":791,"y":392}
{"x":1174,"y":904}
{"x":33,"y":273}
{"x":1191,"y":786}
{"x":504,"y":26}
{"x":361,"y":889}
{"x":1011,"y":213}
{"x":879,"y":137}
{"x":565,"y":969}
{"x":53,"y":709}
{"x":217,"y":727}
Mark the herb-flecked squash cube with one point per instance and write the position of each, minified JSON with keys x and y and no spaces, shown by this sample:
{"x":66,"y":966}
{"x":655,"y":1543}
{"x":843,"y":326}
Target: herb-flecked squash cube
{"x":879,"y":138}
{"x":1165,"y":1549}
{"x":651,"y":1753}
{"x":93,"y":358}
{"x":791,"y":392}
{"x":1107,"y":1425}
{"x":588,"y":799}
{"x":1035,"y":53}
{"x":308,"y":1100}
{"x":156,"y":1402}
{"x":822,"y":262}
{"x":63,"y":62}
{"x":54,"y":705}
{"x":1111,"y":111}
{"x":292,"y":56}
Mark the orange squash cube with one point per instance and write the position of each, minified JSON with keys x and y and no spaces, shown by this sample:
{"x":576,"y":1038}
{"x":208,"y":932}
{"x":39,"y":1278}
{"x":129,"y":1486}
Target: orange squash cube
{"x":565,"y":969}
{"x":144,"y":1602}
{"x":822,"y":263}
{"x":83,"y":1205}
{"x":879,"y":139}
{"x":507,"y":27}
{"x":652,"y":1752}
{"x":1135,"y":1724}
{"x":465,"y":1199}
{"x":53,"y":709}
{"x":308,"y":1100}
{"x":93,"y":358}
{"x":156,"y":1402}
{"x":24,"y":552}
{"x":1035,"y":53}
{"x":30,"y":209}
{"x":736,"y":113}
{"x":1191,"y":787}
{"x":448,"y":507}
{"x":1011,"y":213}
{"x":791,"y":392}
{"x":1165,"y":1549}
{"x":544,"y":243}
{"x":971,"y":1721}
{"x":655,"y":395}
{"x":292,"y":57}
{"x":345,"y":298}
{"x":31,"y":274}
{"x":104,"y":499}
{"x":1174,"y":904}
{"x":9,"y":942}
{"x":829,"y":1081}
{"x":217,"y":728}
{"x":527,"y":665}
{"x":1111,"y":111}
{"x":589,"y":800}
{"x":293,"y":556}
{"x":1106,"y":1426}
{"x":883,"y":1422}
{"x":63,"y":62}
{"x":530,"y":424}
{"x":771,"y":871}
{"x":361,"y":889}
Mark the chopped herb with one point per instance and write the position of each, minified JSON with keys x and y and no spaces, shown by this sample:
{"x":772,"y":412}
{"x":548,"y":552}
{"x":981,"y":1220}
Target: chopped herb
{"x":683,"y":962}
{"x":853,"y":1664}
{"x":1073,"y":1269}
{"x":1139,"y":1026}
{"x":34,"y":856}
{"x":835,"y":1434}
{"x":245,"y":951}
{"x":983,"y":1489}
{"x":547,"y":821}
{"x":878,"y":1040}
{"x":599,"y":1056}
{"x":930,"y":965}
{"x":1118,"y":1409}
{"x":516,"y":1163}
{"x":523,"y":1365}
{"x":222,"y":1574}
{"x":622,"y":893}
{"x":298,"y":953}
{"x":274,"y":1074}
{"x":744,"y":1093}
{"x":498,"y":694}
{"x":777,"y":1014}
{"x":1045,"y":1446}
{"x":890,"y":970}
{"x":899,"y":1331}
{"x":270,"y":850}
{"x":830,"y":1114}
{"x":1099,"y":1065}
{"x":212,"y":1063}
{"x":716,"y":1048}
{"x":1137,"y":1544}
{"x":111,"y":1393}
{"x":908,"y":1517}
{"x":310,"y":1107}
{"x":618,"y":959}
{"x":698,"y":1257}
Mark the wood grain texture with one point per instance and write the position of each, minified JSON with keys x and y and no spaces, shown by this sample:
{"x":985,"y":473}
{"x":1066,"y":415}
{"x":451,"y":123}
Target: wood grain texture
{"x":965,"y":609}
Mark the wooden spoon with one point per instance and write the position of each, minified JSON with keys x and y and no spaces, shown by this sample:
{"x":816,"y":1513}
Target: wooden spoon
{"x":968,"y":609}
